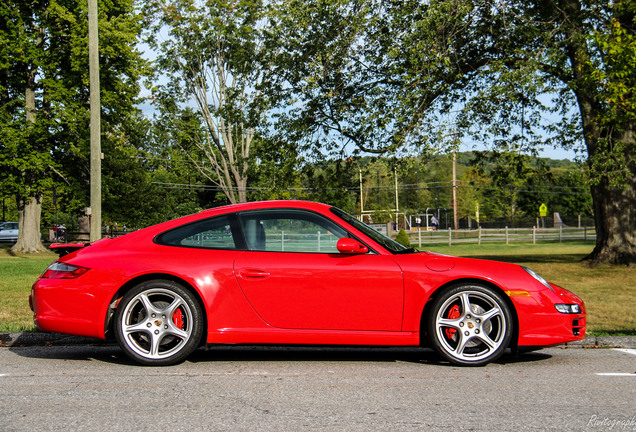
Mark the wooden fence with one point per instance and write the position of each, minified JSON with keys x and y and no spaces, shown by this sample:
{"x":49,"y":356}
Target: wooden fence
{"x":507,"y":235}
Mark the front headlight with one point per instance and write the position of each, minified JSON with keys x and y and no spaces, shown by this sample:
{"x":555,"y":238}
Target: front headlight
{"x":568,"y":308}
{"x":538,"y":277}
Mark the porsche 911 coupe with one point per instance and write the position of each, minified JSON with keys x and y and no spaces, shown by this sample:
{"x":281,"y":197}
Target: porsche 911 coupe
{"x":294,"y":272}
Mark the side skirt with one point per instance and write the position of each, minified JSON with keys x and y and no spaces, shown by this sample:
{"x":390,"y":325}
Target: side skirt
{"x":312,"y":337}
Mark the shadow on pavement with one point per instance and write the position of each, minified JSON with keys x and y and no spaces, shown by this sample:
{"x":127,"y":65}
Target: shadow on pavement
{"x":110,"y":353}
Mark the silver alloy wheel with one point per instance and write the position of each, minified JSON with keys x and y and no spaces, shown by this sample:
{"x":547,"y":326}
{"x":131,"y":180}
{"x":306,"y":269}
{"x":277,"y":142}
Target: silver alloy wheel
{"x":471,"y":326}
{"x":156,"y":323}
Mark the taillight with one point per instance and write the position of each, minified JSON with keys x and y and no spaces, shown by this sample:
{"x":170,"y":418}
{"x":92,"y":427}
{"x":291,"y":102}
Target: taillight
{"x":60,"y":270}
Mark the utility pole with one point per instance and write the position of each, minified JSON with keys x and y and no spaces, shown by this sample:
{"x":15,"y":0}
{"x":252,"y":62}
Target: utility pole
{"x":95,"y":128}
{"x":397,"y":204}
{"x":455,"y":215}
{"x":361,"y":195}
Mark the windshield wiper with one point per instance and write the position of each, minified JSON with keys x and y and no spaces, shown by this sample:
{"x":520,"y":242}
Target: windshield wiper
{"x":405,"y":251}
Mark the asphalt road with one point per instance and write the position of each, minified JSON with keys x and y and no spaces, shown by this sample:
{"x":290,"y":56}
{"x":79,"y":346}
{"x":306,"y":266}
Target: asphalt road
{"x":95,"y":388}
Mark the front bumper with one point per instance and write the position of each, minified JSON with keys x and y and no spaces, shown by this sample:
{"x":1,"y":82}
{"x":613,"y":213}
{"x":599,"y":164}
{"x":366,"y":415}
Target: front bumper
{"x":540,"y":324}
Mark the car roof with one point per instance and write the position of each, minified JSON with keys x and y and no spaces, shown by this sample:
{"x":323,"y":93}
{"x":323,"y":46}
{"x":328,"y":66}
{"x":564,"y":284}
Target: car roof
{"x":153,"y":230}
{"x":255,"y":205}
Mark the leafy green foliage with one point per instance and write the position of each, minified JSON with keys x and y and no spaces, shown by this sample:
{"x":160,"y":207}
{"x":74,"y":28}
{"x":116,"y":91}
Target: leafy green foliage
{"x":274,"y":172}
{"x":44,"y":112}
{"x":518,"y":185}
{"x":403,"y":238}
{"x":210,"y":56}
{"x":518,"y":76}
{"x":295,"y":81}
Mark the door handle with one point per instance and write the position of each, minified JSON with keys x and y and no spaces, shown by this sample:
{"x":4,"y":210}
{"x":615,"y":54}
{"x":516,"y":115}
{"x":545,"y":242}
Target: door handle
{"x":253,"y":273}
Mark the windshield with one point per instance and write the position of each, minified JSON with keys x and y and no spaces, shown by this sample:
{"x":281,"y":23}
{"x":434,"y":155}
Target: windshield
{"x":385,"y":241}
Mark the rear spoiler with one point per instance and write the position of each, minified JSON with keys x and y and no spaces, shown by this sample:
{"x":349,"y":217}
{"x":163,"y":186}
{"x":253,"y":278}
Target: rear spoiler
{"x":66,"y":248}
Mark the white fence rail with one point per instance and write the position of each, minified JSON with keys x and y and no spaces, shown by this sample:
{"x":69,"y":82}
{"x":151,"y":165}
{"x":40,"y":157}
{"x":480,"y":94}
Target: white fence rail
{"x":301,"y":242}
{"x":534,"y":235}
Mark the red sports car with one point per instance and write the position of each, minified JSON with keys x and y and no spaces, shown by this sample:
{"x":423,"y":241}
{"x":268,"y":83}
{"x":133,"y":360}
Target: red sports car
{"x":294,"y":272}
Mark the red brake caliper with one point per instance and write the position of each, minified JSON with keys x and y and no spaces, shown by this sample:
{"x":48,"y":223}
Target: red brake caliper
{"x":453,"y":313}
{"x":177,"y":318}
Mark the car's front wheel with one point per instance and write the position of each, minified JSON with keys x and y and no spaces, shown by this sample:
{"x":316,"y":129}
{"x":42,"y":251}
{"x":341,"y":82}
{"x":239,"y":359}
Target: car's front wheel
{"x":470,"y":324}
{"x":158,"y":323}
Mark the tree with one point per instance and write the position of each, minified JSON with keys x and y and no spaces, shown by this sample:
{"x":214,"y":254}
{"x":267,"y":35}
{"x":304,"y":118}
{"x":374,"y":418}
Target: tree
{"x":348,"y":81}
{"x":584,"y":52}
{"x":275,"y":170}
{"x":573,"y":198}
{"x":520,"y":74}
{"x":331,"y":181}
{"x":470,"y":197}
{"x":377,"y":187}
{"x":211,"y":58}
{"x":413,"y":178}
{"x":44,"y":94}
{"x":23,"y":159}
{"x":511,"y":175}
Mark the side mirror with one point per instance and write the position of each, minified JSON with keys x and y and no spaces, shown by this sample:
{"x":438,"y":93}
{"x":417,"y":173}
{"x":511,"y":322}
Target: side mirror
{"x":350,"y":246}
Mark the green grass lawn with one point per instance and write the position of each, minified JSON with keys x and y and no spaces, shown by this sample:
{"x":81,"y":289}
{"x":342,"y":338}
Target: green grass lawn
{"x":17,"y":274}
{"x":608,"y":291}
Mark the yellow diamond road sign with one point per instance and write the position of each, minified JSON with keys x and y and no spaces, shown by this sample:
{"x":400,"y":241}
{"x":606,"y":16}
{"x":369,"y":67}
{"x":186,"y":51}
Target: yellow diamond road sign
{"x":543,"y":210}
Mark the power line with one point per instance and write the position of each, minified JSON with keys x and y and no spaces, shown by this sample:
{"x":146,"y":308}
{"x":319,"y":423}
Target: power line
{"x":444,"y":185}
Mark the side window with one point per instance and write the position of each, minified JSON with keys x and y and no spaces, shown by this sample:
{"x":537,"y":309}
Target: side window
{"x":213,"y":233}
{"x":286,"y":230}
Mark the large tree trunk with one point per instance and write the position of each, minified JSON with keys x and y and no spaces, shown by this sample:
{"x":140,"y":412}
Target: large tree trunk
{"x":30,"y":209}
{"x":611,"y":152}
{"x":615,"y":210}
{"x":615,"y":219}
{"x":29,"y":214}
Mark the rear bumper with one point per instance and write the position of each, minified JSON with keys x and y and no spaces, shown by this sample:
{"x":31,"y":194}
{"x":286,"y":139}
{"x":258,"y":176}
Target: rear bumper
{"x":64,"y":309}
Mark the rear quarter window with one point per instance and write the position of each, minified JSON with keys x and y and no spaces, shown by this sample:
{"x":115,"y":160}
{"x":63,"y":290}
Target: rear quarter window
{"x":213,"y":233}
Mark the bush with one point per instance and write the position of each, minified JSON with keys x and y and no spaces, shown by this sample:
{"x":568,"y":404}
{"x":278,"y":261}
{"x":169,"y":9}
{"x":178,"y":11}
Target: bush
{"x":403,"y":238}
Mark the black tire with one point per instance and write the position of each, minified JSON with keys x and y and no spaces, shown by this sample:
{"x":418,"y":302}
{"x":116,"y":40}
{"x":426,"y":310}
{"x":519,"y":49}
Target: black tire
{"x":470,"y":324}
{"x":158,"y":323}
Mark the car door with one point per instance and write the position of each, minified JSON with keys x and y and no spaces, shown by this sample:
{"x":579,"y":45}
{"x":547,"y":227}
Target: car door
{"x":295,"y":278}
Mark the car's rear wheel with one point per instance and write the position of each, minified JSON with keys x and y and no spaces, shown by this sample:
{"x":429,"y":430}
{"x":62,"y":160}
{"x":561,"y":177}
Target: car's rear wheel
{"x":470,"y":324}
{"x":158,"y":323}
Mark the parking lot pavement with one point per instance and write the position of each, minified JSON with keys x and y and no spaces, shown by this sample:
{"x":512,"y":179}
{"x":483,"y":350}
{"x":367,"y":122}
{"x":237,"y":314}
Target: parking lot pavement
{"x":94,"y":387}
